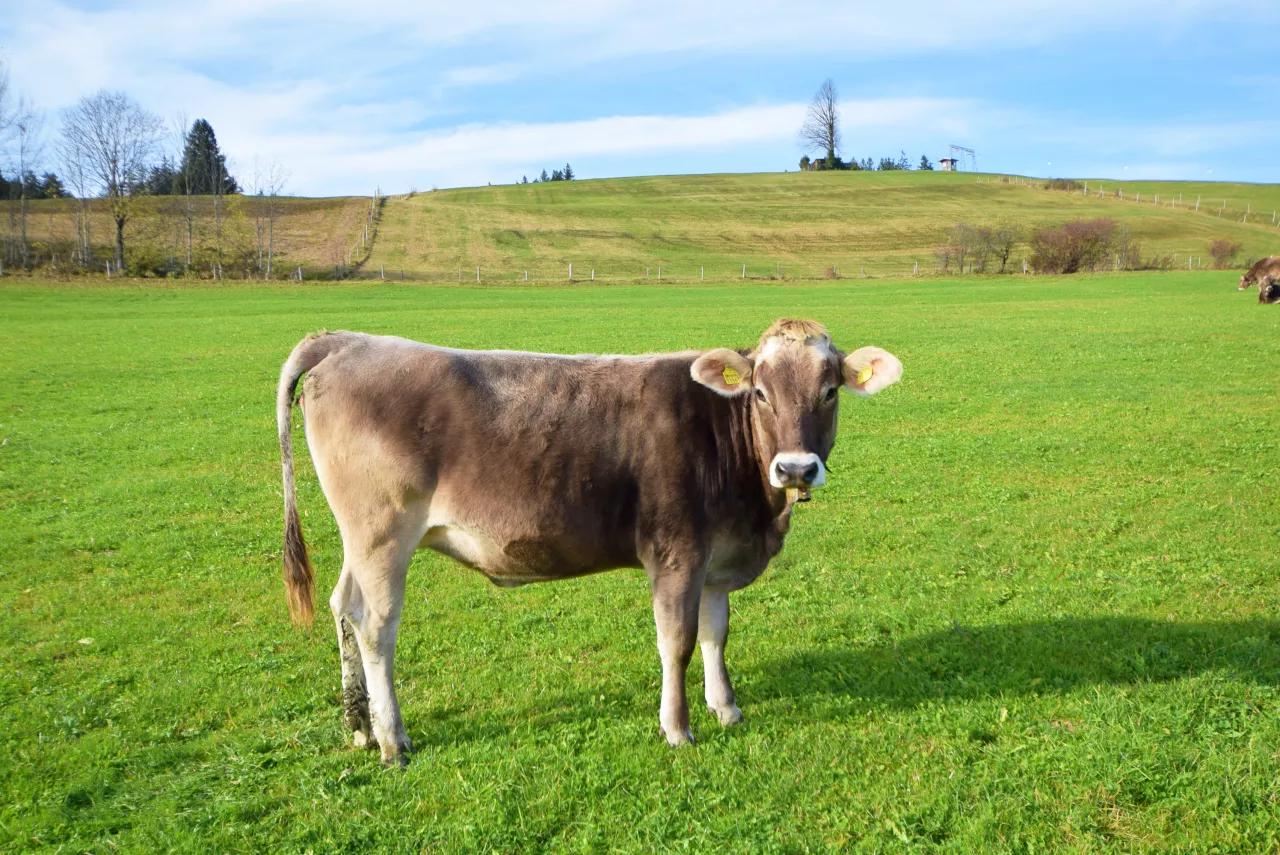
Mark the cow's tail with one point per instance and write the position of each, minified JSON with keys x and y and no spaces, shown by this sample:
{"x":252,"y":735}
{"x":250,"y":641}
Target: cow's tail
{"x":298,"y":573}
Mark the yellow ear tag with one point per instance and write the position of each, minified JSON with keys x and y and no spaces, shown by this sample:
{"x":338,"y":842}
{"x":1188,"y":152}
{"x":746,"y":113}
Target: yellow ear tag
{"x":731,"y":376}
{"x":864,"y":375}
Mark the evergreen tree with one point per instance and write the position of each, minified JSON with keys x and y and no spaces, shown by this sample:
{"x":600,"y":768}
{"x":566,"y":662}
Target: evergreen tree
{"x":51,"y":187}
{"x":903,"y":163}
{"x":203,"y":164}
{"x":524,"y":179}
{"x":163,"y":179}
{"x":568,"y":172}
{"x":925,"y":164}
{"x":557,"y":175}
{"x":544,"y":175}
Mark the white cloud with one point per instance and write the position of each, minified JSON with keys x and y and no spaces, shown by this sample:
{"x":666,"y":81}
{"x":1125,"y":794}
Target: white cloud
{"x":343,"y":93}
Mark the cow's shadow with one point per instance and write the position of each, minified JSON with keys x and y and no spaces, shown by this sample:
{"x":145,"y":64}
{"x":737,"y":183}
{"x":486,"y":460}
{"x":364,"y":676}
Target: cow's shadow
{"x":1037,"y":657}
{"x":1003,"y":660}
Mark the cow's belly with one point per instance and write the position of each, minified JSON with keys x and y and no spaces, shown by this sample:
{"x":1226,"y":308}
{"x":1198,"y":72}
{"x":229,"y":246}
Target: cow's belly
{"x":509,"y":563}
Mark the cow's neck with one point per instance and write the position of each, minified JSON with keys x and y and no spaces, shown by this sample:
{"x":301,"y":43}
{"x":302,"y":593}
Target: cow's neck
{"x":757,"y":458}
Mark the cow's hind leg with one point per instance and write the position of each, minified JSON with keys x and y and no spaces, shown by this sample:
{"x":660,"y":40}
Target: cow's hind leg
{"x":378,"y":570}
{"x":348,"y":608}
{"x":675,"y":611}
{"x":713,"y":631}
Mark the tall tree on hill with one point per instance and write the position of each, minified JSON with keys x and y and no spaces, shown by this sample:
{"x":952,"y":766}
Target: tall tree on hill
{"x":115,"y":138}
{"x":568,"y":172}
{"x":204,"y":166}
{"x":544,"y":176}
{"x":204,"y":169}
{"x":821,"y":128}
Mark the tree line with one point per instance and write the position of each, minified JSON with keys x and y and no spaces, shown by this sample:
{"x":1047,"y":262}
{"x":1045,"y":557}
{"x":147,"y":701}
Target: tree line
{"x":565,"y":174}
{"x":108,"y":152}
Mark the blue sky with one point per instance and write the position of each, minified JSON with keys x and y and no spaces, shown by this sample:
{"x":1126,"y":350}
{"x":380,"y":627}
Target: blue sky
{"x":404,"y":95}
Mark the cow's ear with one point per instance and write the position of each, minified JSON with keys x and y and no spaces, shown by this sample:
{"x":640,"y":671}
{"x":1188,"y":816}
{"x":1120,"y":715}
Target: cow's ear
{"x":723,"y":371}
{"x":869,"y":369}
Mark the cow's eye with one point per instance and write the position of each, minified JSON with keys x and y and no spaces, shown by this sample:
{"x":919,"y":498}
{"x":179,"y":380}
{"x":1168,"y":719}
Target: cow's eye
{"x":760,"y":396}
{"x":830,"y":396}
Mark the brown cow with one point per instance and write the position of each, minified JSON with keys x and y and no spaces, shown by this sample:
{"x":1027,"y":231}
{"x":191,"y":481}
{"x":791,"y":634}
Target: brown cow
{"x":1268,"y":290}
{"x":1269,"y":266}
{"x":531,"y":467}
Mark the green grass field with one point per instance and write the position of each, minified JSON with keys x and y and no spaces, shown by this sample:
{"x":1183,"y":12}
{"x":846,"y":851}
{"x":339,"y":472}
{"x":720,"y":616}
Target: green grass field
{"x":1033,"y":611}
{"x":796,"y":225}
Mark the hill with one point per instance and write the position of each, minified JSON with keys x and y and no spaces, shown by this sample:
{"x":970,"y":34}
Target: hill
{"x":795,"y":224}
{"x":806,"y":225}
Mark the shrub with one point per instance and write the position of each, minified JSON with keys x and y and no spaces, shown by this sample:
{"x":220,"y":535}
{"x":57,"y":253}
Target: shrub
{"x":1074,"y":246}
{"x":1223,"y":252}
{"x":804,"y":163}
{"x":1127,"y":250}
{"x":832,"y":273}
{"x":945,"y":255}
{"x":1063,"y":184}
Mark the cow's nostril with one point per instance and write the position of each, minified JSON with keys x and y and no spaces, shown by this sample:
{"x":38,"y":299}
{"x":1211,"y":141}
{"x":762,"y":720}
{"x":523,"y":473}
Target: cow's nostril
{"x":811,"y":473}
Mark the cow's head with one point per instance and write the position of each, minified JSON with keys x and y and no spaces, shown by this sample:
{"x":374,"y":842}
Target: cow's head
{"x":793,"y":378}
{"x":1245,"y":282}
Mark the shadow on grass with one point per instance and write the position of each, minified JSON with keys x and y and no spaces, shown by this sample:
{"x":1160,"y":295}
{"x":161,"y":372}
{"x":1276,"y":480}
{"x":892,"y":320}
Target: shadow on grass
{"x":1037,"y":657}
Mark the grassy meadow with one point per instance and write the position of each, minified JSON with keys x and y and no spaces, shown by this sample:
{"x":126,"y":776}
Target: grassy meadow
{"x":794,"y":225}
{"x":1034,"y":610}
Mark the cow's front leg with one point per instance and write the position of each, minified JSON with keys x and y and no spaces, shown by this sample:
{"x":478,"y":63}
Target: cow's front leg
{"x":713,"y":631}
{"x":675,"y":611}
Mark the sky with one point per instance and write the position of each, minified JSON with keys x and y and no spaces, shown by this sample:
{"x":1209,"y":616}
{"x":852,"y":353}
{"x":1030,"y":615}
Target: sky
{"x":414,"y":95}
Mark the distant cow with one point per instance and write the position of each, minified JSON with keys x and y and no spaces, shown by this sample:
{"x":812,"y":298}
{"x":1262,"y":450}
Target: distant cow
{"x":1266,"y":267}
{"x":531,"y":467}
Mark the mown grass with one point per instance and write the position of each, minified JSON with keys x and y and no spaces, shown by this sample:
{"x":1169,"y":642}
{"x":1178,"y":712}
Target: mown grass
{"x":1033,"y":611}
{"x":794,"y":225}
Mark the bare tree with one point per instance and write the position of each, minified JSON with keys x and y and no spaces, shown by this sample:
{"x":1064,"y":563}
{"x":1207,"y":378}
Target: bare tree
{"x":72,"y":166}
{"x":821,"y":128}
{"x":28,"y":123}
{"x":1002,"y":239}
{"x":274,"y":179}
{"x":117,"y":138}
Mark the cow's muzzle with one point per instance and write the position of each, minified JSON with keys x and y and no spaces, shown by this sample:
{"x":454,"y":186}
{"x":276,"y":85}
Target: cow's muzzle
{"x":793,"y":469}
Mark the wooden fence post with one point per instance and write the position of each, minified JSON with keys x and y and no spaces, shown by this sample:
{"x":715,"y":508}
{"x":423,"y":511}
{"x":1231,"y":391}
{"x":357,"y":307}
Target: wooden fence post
{"x":744,"y":271}
{"x":570,"y":272}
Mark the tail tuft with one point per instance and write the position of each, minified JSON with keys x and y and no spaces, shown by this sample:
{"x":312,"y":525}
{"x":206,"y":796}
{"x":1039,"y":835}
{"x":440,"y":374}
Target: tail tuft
{"x":299,"y":576}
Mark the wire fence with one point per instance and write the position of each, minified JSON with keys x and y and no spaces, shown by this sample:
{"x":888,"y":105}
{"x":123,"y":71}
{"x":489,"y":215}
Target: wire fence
{"x":1202,"y":203}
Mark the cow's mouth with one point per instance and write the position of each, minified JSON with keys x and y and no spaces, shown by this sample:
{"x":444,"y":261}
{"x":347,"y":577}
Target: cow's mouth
{"x":798,"y":494}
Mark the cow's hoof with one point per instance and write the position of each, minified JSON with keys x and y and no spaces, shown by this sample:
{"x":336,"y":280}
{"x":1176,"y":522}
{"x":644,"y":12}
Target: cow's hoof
{"x":676,"y":738}
{"x":728,"y":716}
{"x":396,"y":761}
